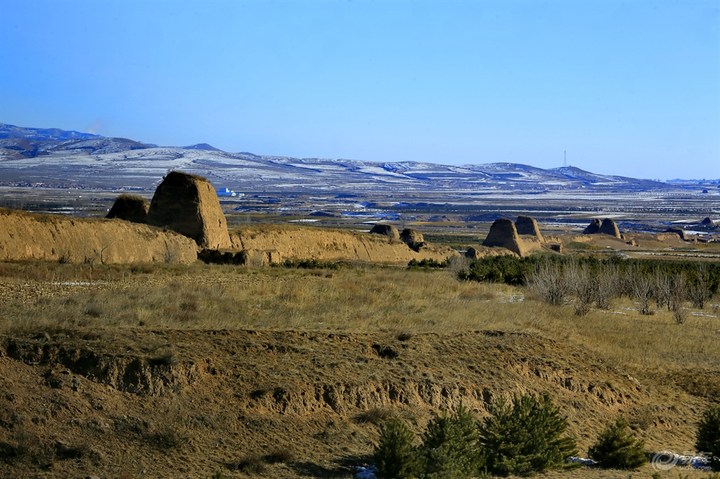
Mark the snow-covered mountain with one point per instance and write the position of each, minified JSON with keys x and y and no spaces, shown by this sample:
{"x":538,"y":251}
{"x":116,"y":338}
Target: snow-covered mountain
{"x":55,"y":157}
{"x":41,"y":134}
{"x":19,"y":142}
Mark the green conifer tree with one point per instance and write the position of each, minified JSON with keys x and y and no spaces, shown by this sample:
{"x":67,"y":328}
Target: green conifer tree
{"x":525,"y":436}
{"x":616,"y":448}
{"x":395,"y":456}
{"x":708,"y":436}
{"x":450,"y":447}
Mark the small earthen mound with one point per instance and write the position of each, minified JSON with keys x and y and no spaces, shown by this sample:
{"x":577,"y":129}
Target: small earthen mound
{"x":503,"y":233}
{"x":189,"y":205}
{"x":413,"y":238}
{"x":609,"y":227}
{"x":678,"y":231}
{"x":130,"y":208}
{"x":528,"y":226}
{"x":593,"y":228}
{"x":386,"y":230}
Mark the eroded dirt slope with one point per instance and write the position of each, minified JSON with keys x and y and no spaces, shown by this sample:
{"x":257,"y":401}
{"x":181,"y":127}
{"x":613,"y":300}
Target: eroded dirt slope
{"x":137,"y":403}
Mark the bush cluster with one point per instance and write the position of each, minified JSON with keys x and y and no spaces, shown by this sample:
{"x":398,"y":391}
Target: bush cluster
{"x":516,"y":271}
{"x":591,"y":281}
{"x":499,"y":269}
{"x":428,"y":263}
{"x":521,"y":437}
{"x":310,"y":264}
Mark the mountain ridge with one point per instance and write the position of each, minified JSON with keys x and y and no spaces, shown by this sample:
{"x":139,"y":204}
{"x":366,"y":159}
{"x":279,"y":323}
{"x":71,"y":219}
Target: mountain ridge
{"x":45,"y":156}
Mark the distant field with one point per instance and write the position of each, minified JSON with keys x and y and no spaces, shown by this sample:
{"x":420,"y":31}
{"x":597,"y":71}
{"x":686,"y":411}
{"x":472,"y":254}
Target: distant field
{"x":439,"y":213}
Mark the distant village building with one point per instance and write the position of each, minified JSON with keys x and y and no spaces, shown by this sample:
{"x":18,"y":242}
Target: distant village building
{"x":229,"y":192}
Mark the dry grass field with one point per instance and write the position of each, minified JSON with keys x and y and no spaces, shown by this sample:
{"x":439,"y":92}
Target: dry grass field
{"x":216,"y":371}
{"x":353,"y":298}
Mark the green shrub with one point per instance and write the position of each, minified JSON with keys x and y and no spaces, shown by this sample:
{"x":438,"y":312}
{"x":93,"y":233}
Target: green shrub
{"x":395,"y":456}
{"x":525,"y":436}
{"x":310,"y":264}
{"x":708,"y":436}
{"x":450,"y":447}
{"x":499,"y":269}
{"x":616,"y":448}
{"x":427,"y":264}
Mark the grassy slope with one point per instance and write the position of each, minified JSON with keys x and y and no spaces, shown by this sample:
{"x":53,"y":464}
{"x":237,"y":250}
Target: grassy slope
{"x":294,"y":359}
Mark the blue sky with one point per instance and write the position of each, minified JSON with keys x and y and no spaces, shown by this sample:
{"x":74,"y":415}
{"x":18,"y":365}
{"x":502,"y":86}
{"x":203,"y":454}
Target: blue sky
{"x":626,"y":87}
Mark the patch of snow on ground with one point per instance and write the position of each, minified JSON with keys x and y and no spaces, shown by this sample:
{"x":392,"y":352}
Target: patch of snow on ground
{"x":365,"y":472}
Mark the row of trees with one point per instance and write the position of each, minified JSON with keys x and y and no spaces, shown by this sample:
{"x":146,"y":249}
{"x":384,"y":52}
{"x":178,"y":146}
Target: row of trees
{"x":521,"y":437}
{"x":557,"y":283}
{"x":590,"y":281}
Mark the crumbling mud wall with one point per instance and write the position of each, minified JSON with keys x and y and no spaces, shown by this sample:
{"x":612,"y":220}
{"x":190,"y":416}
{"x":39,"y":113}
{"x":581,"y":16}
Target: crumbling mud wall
{"x":331,"y":245}
{"x":189,"y":205}
{"x":27,"y":236}
{"x":503,"y":234}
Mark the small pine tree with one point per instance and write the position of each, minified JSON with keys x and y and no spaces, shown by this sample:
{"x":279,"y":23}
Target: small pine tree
{"x":708,"y":436}
{"x":395,"y":456}
{"x":525,"y":436}
{"x":616,"y":448}
{"x":449,"y":448}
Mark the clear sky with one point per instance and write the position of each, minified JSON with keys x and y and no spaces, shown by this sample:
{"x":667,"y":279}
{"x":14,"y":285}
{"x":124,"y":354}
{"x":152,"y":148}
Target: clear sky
{"x":626,"y":87}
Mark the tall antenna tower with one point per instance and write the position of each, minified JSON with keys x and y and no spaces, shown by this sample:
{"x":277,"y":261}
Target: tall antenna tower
{"x":565,"y":158}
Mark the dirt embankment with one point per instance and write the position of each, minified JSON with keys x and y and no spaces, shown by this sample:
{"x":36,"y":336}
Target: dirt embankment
{"x":26,"y":236}
{"x":192,"y":403}
{"x":289,"y":242}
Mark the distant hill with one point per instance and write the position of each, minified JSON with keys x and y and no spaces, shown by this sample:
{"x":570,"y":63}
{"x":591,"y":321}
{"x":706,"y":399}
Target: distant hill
{"x":19,"y":142}
{"x":54,"y":157}
{"x":41,"y":134}
{"x":202,"y":146}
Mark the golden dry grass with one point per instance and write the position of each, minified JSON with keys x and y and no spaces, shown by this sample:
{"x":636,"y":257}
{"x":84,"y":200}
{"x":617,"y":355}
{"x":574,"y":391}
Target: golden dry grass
{"x":359,"y":299}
